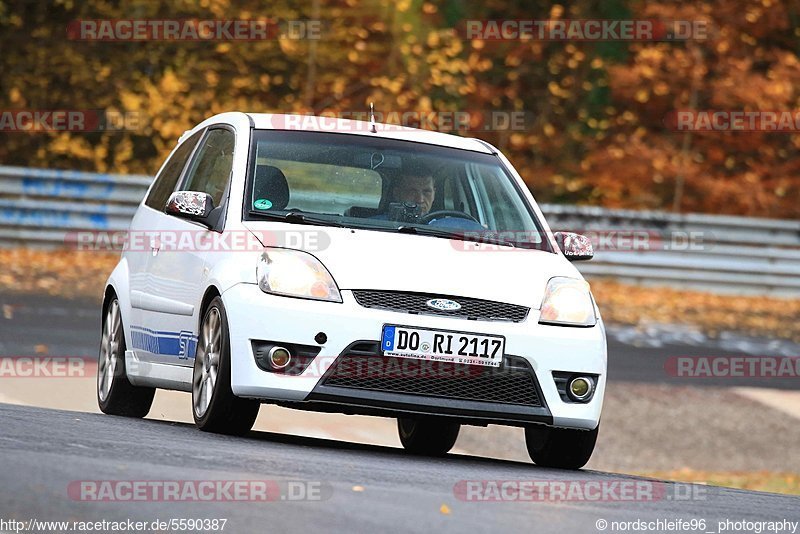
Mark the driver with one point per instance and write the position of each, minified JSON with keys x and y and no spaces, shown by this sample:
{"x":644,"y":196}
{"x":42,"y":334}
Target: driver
{"x":415,"y":188}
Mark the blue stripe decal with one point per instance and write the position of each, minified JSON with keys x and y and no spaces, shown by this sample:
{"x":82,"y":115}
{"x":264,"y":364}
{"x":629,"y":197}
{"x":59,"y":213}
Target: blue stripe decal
{"x":182,"y":344}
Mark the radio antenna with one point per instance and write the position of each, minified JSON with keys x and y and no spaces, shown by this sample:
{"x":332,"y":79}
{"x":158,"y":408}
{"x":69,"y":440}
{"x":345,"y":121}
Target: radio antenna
{"x":372,"y":126}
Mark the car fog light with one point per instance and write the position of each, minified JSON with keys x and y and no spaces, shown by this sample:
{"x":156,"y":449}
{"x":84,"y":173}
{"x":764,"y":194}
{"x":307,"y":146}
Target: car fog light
{"x":580,"y":388}
{"x":279,"y":357}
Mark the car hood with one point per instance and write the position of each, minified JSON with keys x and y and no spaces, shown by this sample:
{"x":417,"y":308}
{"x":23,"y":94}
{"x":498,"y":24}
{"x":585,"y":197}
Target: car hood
{"x":368,"y":259}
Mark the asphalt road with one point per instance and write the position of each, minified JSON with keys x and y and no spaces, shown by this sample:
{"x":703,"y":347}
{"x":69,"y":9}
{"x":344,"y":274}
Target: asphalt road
{"x":352,"y":487}
{"x":355,"y":488}
{"x":71,"y":328}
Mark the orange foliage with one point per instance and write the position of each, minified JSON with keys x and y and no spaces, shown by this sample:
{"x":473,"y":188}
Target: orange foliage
{"x":596,"y":132}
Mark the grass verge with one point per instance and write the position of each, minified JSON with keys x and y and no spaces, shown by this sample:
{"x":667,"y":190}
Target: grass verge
{"x":788,"y":483}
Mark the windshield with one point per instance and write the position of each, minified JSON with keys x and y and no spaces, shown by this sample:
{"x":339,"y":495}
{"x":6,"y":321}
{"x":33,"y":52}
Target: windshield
{"x":388,"y":185}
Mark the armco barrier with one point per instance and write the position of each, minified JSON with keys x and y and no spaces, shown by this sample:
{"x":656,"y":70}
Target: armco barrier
{"x":722,"y":253}
{"x":38,"y":206}
{"x":734,"y":254}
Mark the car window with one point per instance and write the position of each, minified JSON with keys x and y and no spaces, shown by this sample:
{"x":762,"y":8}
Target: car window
{"x":455,"y":197}
{"x":387,"y":185}
{"x":449,"y":200}
{"x":505,"y":202}
{"x":166,"y":180}
{"x":211,"y":168}
{"x":332,"y":188}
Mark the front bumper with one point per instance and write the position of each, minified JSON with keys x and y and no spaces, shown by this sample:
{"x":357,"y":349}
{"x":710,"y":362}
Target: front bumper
{"x":254,"y":315}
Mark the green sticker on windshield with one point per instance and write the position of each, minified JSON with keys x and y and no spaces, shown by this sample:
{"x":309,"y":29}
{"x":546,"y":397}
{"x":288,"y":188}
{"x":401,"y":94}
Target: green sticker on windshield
{"x":262,"y":204}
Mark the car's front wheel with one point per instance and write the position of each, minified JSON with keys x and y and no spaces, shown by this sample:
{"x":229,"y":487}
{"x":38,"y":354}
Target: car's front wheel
{"x":565,"y":448}
{"x":214,"y":406}
{"x":433,"y":436}
{"x":115,"y":394}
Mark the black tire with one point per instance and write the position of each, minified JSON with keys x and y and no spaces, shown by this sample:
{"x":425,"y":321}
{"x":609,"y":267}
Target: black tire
{"x":564,"y":448}
{"x":430,"y":436}
{"x":223,"y":412}
{"x":115,"y":394}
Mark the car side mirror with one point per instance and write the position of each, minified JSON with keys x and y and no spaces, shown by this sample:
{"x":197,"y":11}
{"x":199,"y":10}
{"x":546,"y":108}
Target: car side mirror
{"x":576,"y":247}
{"x":192,"y":205}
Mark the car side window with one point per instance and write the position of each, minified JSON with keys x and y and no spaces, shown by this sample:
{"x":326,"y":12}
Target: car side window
{"x":166,"y":180}
{"x":507,"y":205}
{"x":212,"y":166}
{"x":449,"y":195}
{"x":454,"y":196}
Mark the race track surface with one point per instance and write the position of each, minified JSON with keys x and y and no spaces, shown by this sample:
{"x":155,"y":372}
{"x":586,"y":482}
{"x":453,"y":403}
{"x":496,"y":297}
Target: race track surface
{"x":361,"y":488}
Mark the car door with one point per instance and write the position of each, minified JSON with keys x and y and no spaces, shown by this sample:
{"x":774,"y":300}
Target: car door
{"x":177,"y":266}
{"x":143,"y":292}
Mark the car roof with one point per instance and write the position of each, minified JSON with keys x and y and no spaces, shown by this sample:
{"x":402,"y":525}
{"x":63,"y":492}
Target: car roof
{"x":313,"y":123}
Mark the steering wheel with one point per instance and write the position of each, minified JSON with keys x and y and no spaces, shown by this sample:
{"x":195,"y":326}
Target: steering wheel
{"x":440,"y":214}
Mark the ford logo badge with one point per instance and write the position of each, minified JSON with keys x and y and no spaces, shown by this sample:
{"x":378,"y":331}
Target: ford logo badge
{"x":444,"y":304}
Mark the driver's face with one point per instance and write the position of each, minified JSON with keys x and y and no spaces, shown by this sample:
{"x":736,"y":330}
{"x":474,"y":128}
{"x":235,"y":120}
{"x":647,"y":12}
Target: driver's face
{"x":416,"y":189}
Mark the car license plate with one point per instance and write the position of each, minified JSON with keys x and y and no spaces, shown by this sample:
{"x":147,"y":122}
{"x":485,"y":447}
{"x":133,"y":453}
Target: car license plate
{"x":442,"y":346}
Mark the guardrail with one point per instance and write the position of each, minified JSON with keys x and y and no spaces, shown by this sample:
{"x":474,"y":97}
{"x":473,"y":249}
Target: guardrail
{"x":743,"y":255}
{"x":717,"y":253}
{"x":39,"y":206}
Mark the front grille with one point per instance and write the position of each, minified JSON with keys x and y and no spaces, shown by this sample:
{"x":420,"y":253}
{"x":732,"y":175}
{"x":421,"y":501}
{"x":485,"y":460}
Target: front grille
{"x":415,"y":303}
{"x":512,"y":383}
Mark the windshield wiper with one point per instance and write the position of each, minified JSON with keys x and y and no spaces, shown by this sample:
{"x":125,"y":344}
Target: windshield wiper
{"x":449,"y":234}
{"x":295,"y":217}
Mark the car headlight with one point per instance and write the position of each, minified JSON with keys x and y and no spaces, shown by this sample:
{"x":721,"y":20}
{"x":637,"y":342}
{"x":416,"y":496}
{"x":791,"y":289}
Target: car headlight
{"x":295,"y":274}
{"x":567,"y":302}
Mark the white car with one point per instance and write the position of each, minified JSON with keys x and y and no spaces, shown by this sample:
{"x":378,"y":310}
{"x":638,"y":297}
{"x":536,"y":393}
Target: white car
{"x":343,"y":266}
